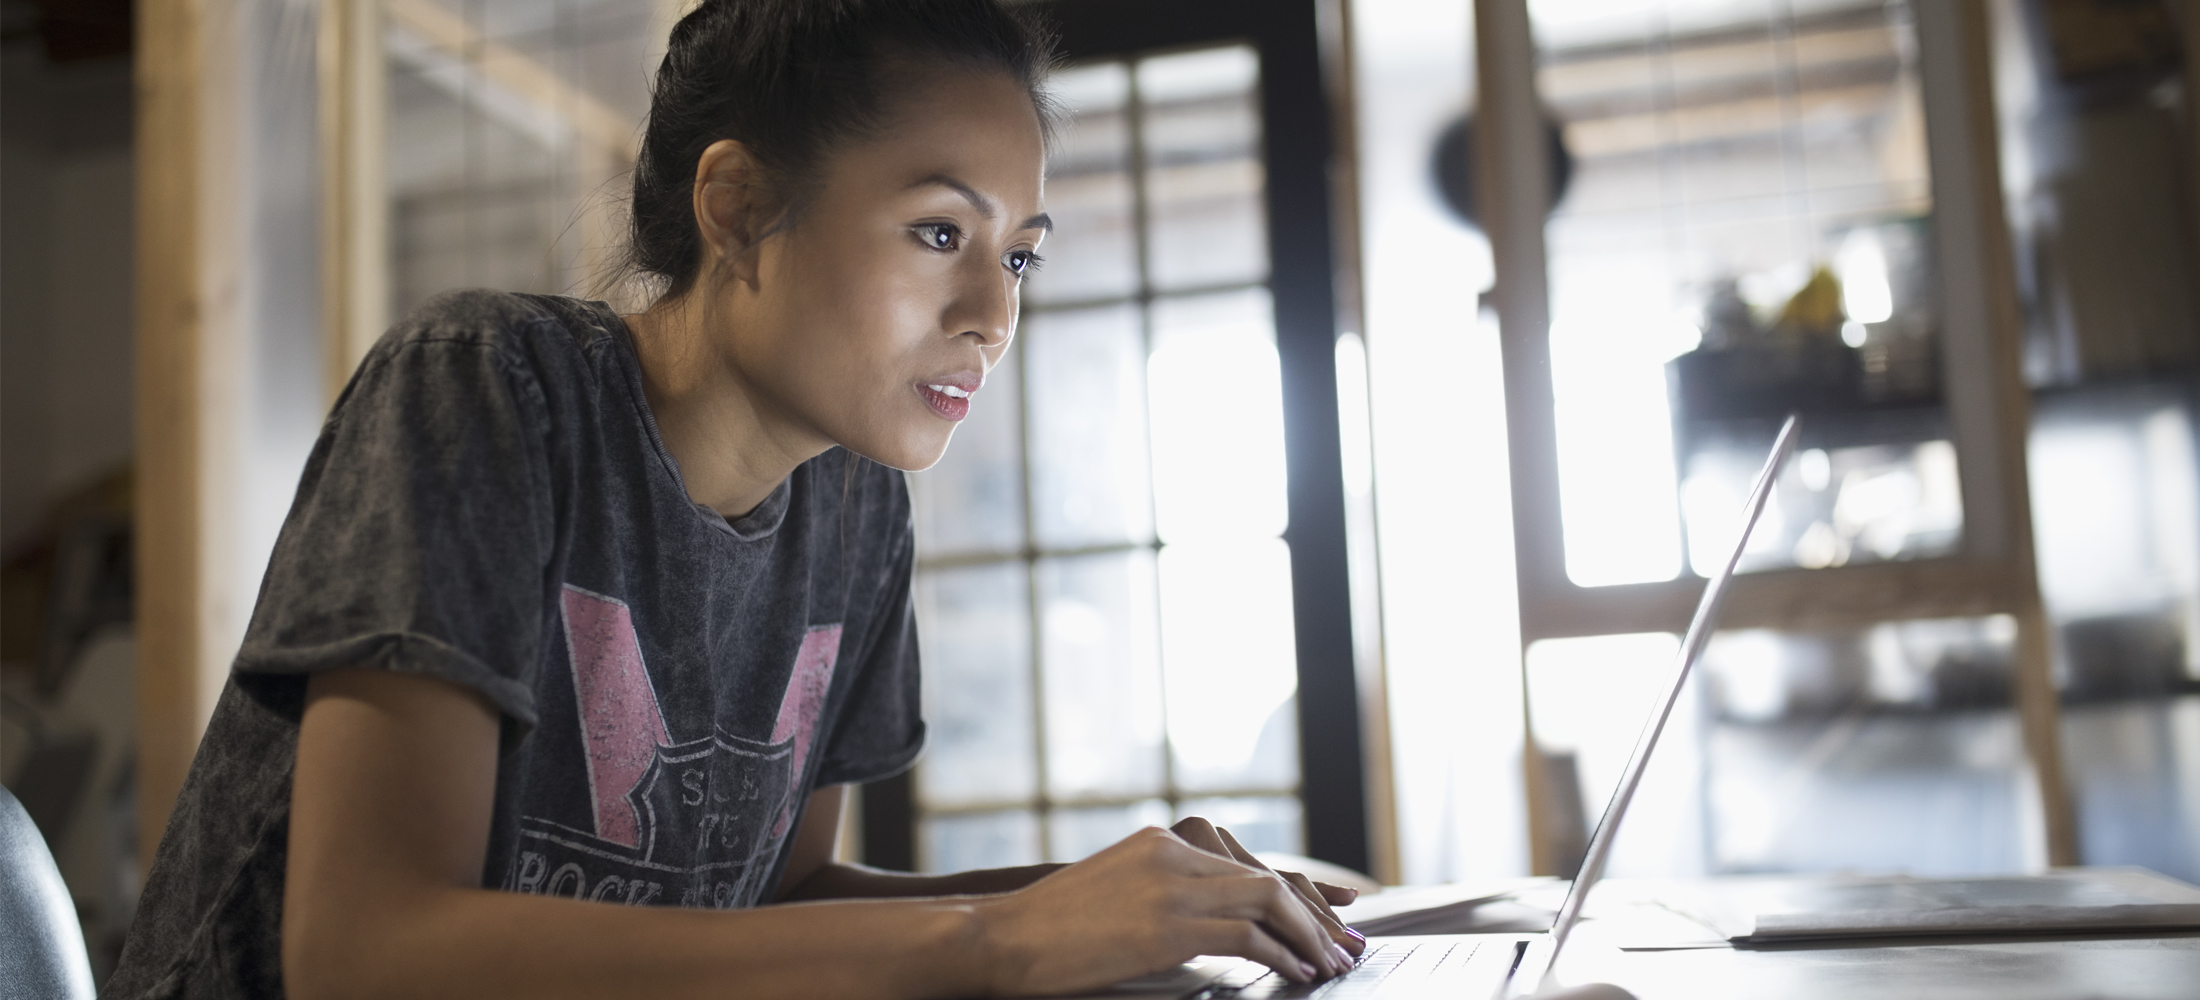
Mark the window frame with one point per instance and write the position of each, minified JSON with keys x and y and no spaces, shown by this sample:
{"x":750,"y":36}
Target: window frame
{"x":1297,"y":147}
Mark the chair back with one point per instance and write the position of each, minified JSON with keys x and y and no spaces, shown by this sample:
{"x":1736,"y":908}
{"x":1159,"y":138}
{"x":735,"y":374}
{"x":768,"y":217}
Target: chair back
{"x":42,"y":953}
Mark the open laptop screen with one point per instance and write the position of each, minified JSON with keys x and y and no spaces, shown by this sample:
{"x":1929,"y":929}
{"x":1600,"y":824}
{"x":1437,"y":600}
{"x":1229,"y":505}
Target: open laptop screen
{"x":1699,"y":633}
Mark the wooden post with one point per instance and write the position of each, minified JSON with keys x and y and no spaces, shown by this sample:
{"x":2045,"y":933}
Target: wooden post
{"x":355,"y":210}
{"x":1989,"y":406}
{"x":1512,"y":195}
{"x":188,"y":302}
{"x":167,"y":498}
{"x":1363,"y":530}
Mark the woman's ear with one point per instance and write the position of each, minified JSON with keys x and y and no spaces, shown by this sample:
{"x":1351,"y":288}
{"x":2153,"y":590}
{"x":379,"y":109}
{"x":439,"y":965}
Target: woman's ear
{"x":734,"y":207}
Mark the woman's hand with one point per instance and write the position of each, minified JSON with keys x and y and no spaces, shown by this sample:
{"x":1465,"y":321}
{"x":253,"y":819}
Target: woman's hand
{"x":1151,"y":901}
{"x":1319,"y":896}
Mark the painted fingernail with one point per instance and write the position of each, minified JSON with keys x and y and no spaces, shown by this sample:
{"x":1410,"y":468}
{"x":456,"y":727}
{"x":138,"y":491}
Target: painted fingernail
{"x":1306,"y":972}
{"x":1356,"y":935}
{"x":1344,"y":958}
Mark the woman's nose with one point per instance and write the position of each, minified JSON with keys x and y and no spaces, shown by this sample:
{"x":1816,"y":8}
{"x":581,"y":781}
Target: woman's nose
{"x":986,"y":308}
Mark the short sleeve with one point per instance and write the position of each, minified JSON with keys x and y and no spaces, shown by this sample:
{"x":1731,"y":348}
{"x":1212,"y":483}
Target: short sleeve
{"x":881,"y":727}
{"x":422,"y":528}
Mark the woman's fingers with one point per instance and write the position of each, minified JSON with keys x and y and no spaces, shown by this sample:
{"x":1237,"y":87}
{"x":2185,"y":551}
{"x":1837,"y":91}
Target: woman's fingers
{"x":1259,"y":894}
{"x":1313,"y":896}
{"x":1171,"y":855}
{"x":1279,"y":910}
{"x":1352,"y":941}
{"x":1247,"y":940}
{"x":1337,"y":895}
{"x":1196,"y":831}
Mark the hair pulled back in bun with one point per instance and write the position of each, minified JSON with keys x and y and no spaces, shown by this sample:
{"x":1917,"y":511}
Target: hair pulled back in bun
{"x":793,"y":80}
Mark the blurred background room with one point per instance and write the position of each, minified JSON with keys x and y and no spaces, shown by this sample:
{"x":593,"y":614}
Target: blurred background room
{"x":1390,"y":390}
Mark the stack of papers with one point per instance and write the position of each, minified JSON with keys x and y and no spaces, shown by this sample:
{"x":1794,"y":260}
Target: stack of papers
{"x":1485,"y":907}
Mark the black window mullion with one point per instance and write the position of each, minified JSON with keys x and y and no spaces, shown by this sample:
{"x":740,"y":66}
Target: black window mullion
{"x":1295,"y":152}
{"x":1296,"y":138}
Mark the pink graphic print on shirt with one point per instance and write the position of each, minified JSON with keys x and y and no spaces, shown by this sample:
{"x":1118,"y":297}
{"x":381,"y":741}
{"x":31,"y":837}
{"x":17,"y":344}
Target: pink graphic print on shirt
{"x":621,"y":723}
{"x":803,"y":702}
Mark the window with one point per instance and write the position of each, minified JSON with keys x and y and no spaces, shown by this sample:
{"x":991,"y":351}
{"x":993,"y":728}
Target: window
{"x":1754,"y":226}
{"x":1103,"y":586}
{"x":511,"y":129}
{"x":1748,"y":218}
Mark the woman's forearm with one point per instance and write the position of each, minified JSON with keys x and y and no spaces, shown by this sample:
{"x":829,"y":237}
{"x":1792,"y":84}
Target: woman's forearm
{"x":390,"y":809}
{"x":483,"y":943}
{"x":838,"y":880}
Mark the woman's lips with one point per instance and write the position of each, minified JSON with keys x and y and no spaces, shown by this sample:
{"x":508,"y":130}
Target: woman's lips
{"x":951,"y":402}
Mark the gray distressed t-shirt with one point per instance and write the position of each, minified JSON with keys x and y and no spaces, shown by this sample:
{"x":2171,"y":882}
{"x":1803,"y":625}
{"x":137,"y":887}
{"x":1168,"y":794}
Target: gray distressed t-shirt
{"x":490,"y":504}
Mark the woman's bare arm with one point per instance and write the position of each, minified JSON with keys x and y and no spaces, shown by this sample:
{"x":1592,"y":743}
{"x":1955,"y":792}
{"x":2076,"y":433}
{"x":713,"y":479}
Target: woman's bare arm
{"x":813,"y":874}
{"x":389,"y":824}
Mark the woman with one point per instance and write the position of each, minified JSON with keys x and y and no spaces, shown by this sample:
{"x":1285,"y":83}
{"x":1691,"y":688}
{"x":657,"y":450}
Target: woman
{"x":575,"y":610}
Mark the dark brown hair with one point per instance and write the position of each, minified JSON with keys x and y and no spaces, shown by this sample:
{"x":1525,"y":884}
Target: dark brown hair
{"x":794,"y":80}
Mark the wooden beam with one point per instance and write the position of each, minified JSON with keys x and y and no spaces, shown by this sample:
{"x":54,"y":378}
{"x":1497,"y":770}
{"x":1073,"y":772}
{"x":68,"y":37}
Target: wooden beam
{"x":189,"y":317}
{"x":167,"y":72}
{"x":1989,"y":405}
{"x":1512,"y":182}
{"x":1798,"y":599}
{"x":355,"y":206}
{"x":1363,"y":530}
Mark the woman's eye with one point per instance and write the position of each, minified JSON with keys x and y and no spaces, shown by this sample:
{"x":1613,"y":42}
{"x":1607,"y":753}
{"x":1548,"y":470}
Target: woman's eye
{"x":939,"y":236}
{"x":1021,"y":262}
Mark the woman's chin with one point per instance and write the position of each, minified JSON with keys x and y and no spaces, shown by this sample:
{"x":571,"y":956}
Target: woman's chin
{"x":910,"y":453}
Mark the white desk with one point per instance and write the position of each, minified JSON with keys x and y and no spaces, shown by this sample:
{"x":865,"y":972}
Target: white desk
{"x":2041,"y":968}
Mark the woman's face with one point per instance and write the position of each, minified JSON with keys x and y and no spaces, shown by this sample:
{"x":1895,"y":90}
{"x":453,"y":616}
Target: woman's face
{"x":873,"y":321}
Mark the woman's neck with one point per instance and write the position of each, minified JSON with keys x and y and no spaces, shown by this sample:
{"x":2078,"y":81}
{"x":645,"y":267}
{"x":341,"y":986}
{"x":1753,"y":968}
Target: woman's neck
{"x":733,"y":451}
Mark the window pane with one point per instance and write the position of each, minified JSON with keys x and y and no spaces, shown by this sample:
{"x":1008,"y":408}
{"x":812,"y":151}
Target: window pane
{"x":500,"y":185}
{"x":1077,"y":834}
{"x":1206,"y":222}
{"x":977,"y":840}
{"x":472,"y":196}
{"x":977,"y":686}
{"x":1140,"y":411}
{"x":1093,"y":251}
{"x":973,"y":500}
{"x":2116,"y":506}
{"x":1829,"y":507}
{"x":1743,"y":233}
{"x":1892,"y":748}
{"x":1103,"y":676}
{"x":1216,"y":397}
{"x":1091,"y":483}
{"x":1230,"y":663}
{"x":1588,"y":699}
{"x":1889,"y":748}
{"x":1260,"y":823}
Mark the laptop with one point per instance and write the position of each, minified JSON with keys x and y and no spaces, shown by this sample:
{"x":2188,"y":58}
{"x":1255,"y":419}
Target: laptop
{"x":1495,"y":966}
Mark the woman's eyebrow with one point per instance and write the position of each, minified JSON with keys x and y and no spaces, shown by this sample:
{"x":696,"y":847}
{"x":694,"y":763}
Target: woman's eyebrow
{"x":986,"y":207}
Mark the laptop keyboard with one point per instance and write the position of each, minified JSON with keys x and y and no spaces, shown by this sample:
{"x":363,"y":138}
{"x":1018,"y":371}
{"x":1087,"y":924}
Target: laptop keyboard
{"x":1391,"y":965}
